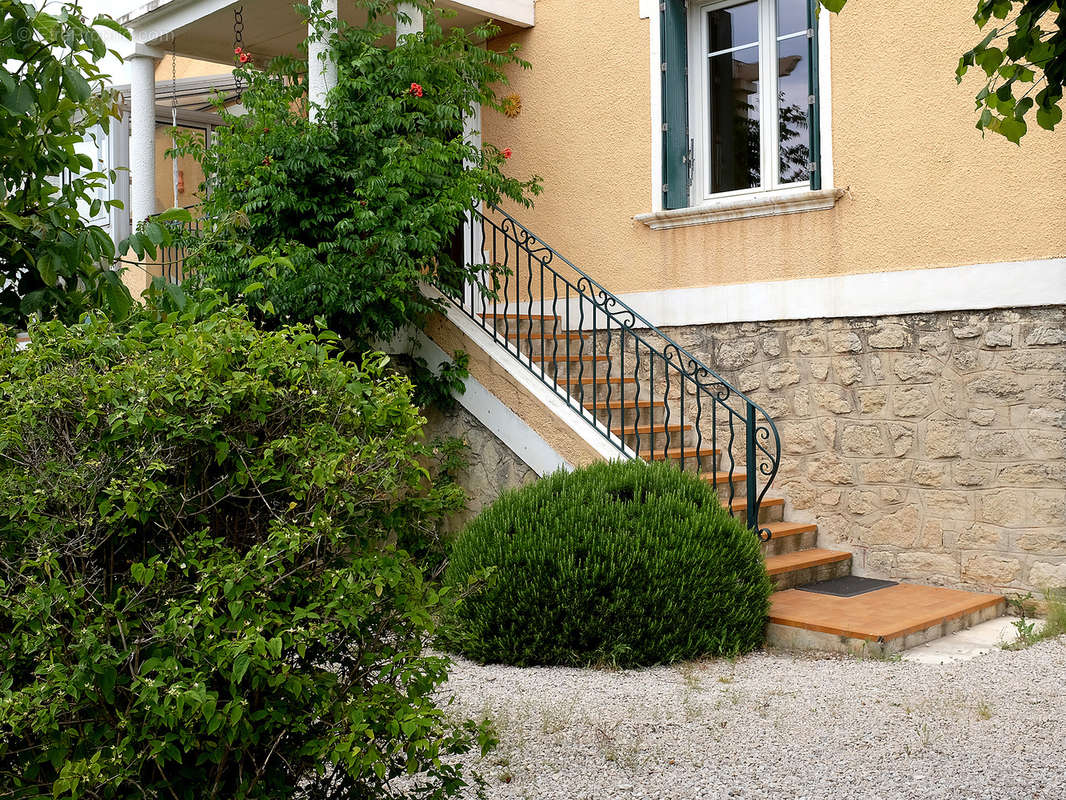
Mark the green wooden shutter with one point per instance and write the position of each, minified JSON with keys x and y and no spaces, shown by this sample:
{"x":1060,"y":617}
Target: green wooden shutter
{"x":813,"y":116}
{"x":674,"y":51}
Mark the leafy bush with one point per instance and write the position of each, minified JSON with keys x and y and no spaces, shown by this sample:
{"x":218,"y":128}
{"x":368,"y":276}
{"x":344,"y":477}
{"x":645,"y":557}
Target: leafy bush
{"x":202,"y":596}
{"x":53,"y":98}
{"x":347,"y":216}
{"x":622,"y":563}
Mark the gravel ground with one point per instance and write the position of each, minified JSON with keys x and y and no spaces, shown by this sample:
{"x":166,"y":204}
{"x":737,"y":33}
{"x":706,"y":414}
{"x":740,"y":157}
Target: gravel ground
{"x":777,"y":726}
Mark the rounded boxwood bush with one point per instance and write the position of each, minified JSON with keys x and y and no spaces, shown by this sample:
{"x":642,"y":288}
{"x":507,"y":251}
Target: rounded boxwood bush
{"x":622,"y":563}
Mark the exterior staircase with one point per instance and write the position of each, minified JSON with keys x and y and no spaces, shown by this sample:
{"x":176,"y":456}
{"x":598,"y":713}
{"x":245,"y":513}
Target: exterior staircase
{"x":876,"y":624}
{"x":653,"y":400}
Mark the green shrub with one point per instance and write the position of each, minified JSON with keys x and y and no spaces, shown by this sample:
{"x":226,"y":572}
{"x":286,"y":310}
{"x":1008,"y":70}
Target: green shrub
{"x":621,"y":563}
{"x":201,"y":594}
{"x":347,"y":217}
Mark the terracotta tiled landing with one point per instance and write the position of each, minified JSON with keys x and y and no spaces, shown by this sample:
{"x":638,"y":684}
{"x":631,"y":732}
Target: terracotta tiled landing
{"x":879,"y":616}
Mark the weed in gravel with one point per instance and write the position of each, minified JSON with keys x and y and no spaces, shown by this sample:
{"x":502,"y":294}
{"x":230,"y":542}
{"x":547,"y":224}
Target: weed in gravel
{"x":505,"y":722}
{"x":623,"y":755}
{"x":690,"y":674}
{"x":1030,"y":631}
{"x":556,"y":718}
{"x":692,"y":708}
{"x":983,"y":710}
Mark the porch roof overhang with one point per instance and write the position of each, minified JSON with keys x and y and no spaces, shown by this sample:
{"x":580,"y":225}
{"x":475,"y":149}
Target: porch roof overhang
{"x":203,"y":29}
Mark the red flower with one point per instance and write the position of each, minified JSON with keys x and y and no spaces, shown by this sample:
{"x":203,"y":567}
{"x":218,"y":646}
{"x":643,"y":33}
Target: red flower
{"x":416,"y":90}
{"x":507,"y":152}
{"x":245,"y":58}
{"x":237,"y":51}
{"x":268,"y":161}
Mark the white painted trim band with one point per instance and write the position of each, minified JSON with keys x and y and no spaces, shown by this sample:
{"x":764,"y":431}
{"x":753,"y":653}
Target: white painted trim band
{"x":1015,"y":284}
{"x":761,"y":204}
{"x":507,"y":426}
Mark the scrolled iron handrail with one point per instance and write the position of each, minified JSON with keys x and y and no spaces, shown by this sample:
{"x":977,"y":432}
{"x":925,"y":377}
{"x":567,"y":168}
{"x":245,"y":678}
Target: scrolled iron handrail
{"x":761,"y":438}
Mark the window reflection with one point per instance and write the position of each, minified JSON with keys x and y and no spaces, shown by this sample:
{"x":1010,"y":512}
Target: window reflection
{"x":793,"y":138}
{"x":735,"y":148}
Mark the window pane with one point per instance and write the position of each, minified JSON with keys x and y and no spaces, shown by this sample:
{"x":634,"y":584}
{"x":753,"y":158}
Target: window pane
{"x":734,"y":123}
{"x":733,"y":26}
{"x":791,"y":16}
{"x":792,"y":107}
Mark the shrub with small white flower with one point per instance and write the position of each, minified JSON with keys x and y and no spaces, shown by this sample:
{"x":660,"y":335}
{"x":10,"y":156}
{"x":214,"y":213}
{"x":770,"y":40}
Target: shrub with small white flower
{"x":206,"y":592}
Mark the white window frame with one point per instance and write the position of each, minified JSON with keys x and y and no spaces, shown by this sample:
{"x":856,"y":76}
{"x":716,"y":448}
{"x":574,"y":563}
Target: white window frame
{"x":699,"y":101}
{"x":769,"y":197}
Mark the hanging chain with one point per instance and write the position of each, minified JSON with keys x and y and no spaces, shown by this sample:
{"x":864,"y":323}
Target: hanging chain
{"x":238,"y":43}
{"x":175,"y":177}
{"x":174,"y":78}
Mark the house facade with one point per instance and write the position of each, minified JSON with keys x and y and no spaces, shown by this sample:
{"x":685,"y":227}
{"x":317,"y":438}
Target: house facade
{"x":755,"y":202}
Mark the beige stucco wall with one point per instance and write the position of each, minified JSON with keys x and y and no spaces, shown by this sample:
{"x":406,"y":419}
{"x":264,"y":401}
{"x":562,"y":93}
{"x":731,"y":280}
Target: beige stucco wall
{"x":924,"y":189}
{"x":188,"y":68}
{"x":191,"y":175}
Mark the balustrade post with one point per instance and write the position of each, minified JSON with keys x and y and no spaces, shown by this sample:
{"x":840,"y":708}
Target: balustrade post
{"x":749,"y":468}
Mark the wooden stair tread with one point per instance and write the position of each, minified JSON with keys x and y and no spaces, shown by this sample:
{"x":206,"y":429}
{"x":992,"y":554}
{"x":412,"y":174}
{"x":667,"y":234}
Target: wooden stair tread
{"x":519,"y":316}
{"x":519,"y":335}
{"x":880,"y":615}
{"x":624,"y":404}
{"x":741,"y":503}
{"x":689,"y":452}
{"x":722,"y":476}
{"x":657,"y":427}
{"x":803,"y":559}
{"x":565,"y":358}
{"x":780,"y":530}
{"x":598,"y":379}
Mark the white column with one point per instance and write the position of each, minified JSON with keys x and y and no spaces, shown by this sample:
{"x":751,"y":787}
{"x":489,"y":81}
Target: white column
{"x":321,"y":63}
{"x":473,"y":230}
{"x":142,"y":136}
{"x":119,"y":143}
{"x":416,"y":25}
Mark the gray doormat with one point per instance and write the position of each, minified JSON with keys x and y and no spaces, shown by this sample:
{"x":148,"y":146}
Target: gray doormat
{"x":848,"y":586}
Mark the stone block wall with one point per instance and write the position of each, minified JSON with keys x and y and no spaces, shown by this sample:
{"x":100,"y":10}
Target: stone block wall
{"x":933,"y":446}
{"x":492,"y":467}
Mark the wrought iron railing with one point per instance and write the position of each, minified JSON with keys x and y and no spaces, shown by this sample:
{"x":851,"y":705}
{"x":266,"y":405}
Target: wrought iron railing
{"x":172,"y":257}
{"x":642,"y":391}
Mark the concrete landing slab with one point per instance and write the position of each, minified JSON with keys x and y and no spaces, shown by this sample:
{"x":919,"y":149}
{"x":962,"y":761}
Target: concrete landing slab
{"x":968,"y":644}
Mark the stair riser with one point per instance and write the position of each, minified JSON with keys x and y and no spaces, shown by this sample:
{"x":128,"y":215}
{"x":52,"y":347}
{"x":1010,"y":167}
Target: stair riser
{"x":664,"y":442}
{"x":692,"y":464}
{"x":789,"y":637}
{"x":524,"y":326}
{"x":557,"y":366}
{"x":801,"y":577}
{"x":790,"y":544}
{"x":766,"y":514}
{"x":628,"y":416}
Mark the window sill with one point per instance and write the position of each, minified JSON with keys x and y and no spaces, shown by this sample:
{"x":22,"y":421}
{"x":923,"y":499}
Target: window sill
{"x":766,"y":204}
